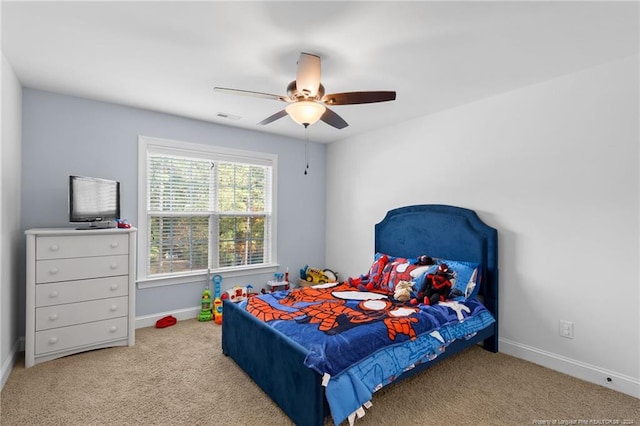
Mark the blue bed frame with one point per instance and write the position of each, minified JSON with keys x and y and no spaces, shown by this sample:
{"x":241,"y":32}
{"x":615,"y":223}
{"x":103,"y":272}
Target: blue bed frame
{"x":275,"y":362}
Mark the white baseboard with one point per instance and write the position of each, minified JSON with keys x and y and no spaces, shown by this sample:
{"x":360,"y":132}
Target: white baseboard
{"x":590,"y":373}
{"x":8,"y":364}
{"x":180,"y":314}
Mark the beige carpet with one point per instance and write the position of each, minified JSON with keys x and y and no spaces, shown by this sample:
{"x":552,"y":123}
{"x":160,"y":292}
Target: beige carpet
{"x":178,"y":376}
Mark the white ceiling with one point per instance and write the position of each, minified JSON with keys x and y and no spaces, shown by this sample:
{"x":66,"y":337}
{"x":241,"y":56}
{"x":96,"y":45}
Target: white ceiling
{"x":168,"y":56}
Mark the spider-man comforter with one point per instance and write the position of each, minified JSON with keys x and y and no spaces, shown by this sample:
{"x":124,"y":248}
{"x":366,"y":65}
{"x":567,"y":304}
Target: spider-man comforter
{"x":361,"y":341}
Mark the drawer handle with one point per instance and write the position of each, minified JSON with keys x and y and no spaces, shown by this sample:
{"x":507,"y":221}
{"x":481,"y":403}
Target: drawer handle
{"x":53,"y":270}
{"x":114,"y":245}
{"x":53,"y":317}
{"x":114,"y":266}
{"x":53,"y":340}
{"x":114,"y":308}
{"x":113,"y":329}
{"x":114,"y":287}
{"x":54,"y":247}
{"x":53,"y":294}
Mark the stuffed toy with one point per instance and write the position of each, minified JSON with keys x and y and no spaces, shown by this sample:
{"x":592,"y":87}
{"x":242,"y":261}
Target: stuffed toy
{"x":437,"y":286}
{"x":425,"y":260}
{"x":403,"y":291}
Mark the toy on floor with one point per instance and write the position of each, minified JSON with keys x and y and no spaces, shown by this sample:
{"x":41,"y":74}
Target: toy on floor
{"x":166,"y":321}
{"x":277,"y":286}
{"x":250,"y":292}
{"x":236,"y":294}
{"x":217,"y":301}
{"x":317,"y":275}
{"x":217,"y":311}
{"x":278,"y":283}
{"x":206,"y":308}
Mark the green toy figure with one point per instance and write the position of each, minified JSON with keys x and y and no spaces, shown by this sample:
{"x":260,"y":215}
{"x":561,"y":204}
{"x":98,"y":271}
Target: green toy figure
{"x":206,"y":313}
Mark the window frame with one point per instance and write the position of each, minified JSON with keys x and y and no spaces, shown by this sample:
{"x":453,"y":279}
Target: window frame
{"x":213,"y":153}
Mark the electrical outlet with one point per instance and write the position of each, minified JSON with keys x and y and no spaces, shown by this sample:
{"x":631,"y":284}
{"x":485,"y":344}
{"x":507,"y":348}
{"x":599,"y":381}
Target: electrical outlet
{"x":566,"y":329}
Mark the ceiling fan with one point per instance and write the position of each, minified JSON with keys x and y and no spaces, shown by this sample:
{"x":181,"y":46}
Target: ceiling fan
{"x":307,"y":99}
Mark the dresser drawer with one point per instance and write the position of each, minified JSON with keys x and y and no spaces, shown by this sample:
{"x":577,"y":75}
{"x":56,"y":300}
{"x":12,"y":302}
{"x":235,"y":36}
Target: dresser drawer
{"x":81,"y":312}
{"x":59,"y":339}
{"x":81,"y":290}
{"x":55,"y":270}
{"x":61,"y":247}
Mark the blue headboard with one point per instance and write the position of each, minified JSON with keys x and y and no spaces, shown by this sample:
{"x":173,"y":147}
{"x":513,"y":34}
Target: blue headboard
{"x":446,"y":232}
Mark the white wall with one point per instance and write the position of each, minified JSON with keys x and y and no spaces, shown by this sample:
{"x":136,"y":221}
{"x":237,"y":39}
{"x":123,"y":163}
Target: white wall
{"x":10,"y":234}
{"x":554,"y":167}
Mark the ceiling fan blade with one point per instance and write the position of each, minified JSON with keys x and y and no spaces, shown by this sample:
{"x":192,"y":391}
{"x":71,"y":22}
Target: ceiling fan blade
{"x":254,"y":94}
{"x":273,"y":118}
{"x":351,"y":98}
{"x":333,"y":119}
{"x":308,"y":75}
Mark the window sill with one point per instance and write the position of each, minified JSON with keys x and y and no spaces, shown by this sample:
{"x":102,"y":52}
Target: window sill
{"x":202,"y":276}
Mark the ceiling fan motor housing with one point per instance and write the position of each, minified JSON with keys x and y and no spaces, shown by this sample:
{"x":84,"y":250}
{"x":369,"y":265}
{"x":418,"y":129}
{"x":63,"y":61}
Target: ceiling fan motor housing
{"x":295,"y":95}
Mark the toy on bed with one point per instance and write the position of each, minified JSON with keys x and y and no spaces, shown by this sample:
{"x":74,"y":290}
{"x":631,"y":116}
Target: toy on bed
{"x":436,"y":287}
{"x":403,"y":291}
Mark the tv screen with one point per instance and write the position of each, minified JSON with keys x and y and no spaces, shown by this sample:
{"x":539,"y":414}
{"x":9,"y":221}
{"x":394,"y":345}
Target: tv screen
{"x":93,"y":200}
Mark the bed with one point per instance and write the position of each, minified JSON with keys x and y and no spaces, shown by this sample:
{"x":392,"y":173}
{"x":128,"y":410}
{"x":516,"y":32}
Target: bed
{"x":283,"y":365}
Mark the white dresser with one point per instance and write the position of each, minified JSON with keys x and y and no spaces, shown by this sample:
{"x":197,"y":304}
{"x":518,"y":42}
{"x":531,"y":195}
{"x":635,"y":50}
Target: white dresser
{"x":80,"y":291}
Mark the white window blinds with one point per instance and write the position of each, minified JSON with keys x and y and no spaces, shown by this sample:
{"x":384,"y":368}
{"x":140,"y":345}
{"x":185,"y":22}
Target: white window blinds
{"x":206,"y":211}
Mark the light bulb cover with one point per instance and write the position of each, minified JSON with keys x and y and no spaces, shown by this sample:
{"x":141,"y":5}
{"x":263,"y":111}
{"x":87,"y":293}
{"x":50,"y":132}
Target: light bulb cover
{"x":305,"y":112}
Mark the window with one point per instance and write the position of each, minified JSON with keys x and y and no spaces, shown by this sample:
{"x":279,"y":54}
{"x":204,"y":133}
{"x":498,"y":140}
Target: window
{"x":204,"y":207}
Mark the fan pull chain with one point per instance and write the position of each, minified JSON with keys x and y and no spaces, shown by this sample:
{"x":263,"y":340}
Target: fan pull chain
{"x":306,"y":148}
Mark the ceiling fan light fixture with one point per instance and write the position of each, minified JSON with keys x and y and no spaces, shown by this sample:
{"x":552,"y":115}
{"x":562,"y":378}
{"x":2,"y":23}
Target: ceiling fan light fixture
{"x":305,"y":112}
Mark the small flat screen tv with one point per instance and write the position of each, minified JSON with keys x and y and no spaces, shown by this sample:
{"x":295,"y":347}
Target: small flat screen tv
{"x":94,"y":201}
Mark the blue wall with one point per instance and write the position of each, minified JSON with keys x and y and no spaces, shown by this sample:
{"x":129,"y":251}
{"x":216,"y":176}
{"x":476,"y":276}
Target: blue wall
{"x":64,"y":135}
